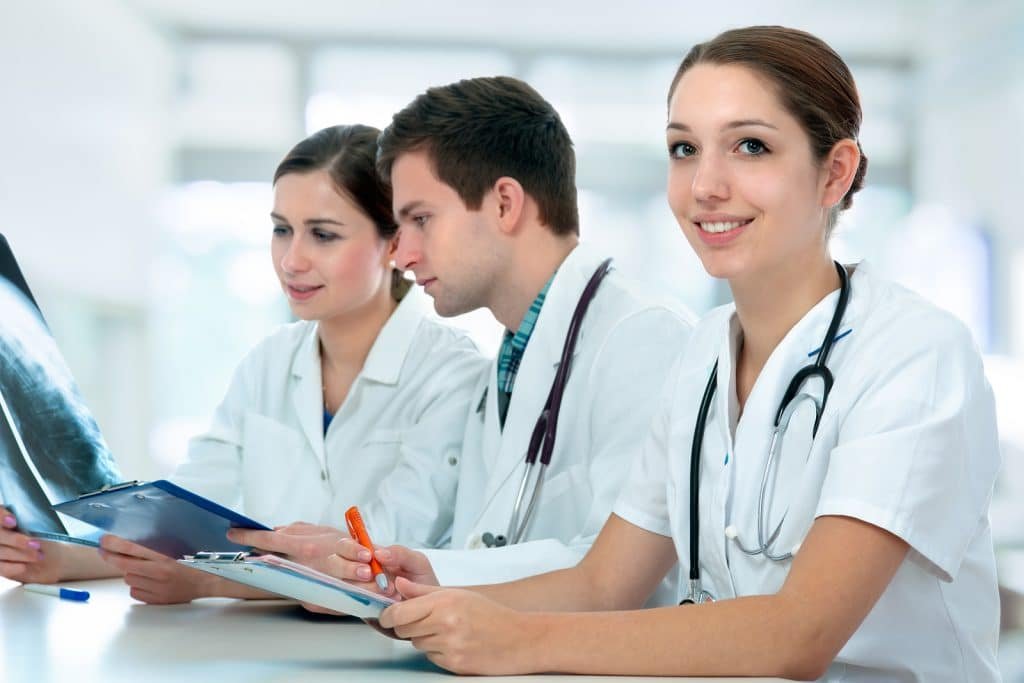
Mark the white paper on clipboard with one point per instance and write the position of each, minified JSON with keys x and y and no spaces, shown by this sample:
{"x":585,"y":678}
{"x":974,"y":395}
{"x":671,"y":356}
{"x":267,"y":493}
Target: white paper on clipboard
{"x":291,"y":580}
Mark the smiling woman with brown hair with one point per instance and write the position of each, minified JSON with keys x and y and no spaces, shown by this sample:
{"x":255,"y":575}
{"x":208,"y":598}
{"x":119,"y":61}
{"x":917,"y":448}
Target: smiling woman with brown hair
{"x":825,"y":453}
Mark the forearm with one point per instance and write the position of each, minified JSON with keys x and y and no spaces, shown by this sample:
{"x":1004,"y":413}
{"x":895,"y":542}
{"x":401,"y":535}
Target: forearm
{"x":81,"y":563}
{"x":752,"y":636}
{"x":563,"y":590}
{"x":222,"y":588}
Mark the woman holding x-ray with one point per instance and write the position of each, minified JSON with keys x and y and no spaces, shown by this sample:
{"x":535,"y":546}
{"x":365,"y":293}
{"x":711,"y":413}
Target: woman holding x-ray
{"x":824,"y":460}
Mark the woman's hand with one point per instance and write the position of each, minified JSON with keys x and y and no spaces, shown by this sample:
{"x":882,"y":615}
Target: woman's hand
{"x":27,"y":559}
{"x":308,"y":544}
{"x":352,"y":563}
{"x":465,"y":632}
{"x":154,"y":578}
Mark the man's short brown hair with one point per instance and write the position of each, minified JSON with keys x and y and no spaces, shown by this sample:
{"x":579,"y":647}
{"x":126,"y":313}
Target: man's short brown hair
{"x":481,"y":129}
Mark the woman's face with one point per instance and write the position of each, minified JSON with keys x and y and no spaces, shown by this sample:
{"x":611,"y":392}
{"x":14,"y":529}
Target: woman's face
{"x":327,"y":253}
{"x":742,"y":180}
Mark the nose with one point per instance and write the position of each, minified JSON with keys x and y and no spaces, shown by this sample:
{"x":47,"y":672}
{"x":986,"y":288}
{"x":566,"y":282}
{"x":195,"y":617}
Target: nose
{"x":710,"y":180}
{"x":294,"y":259}
{"x":408,"y":253}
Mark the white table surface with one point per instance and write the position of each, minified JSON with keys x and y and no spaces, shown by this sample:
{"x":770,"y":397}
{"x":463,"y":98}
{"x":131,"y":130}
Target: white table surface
{"x":114,"y":638}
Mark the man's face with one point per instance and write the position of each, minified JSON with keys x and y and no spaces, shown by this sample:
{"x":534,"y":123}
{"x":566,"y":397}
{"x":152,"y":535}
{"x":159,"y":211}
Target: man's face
{"x":450,"y":248}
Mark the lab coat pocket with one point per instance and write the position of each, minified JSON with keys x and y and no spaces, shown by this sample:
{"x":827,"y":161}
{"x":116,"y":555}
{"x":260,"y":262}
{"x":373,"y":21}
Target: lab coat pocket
{"x":271,"y":453}
{"x":383,"y":436}
{"x":565,"y":499}
{"x":379,"y":453}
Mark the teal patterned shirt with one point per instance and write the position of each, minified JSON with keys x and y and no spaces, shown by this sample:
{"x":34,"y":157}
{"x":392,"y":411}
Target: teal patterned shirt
{"x":513,"y":346}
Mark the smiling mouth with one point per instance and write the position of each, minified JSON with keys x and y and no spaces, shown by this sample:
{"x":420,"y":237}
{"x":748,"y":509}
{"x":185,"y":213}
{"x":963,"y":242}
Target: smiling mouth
{"x":302,"y":291}
{"x":716,"y":227}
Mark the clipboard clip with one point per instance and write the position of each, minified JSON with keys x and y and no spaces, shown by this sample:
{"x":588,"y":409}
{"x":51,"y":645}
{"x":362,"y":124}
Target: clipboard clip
{"x":228,"y":556}
{"x":107,"y":488}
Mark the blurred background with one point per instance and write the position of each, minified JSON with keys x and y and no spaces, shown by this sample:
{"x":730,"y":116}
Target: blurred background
{"x":139,"y":138}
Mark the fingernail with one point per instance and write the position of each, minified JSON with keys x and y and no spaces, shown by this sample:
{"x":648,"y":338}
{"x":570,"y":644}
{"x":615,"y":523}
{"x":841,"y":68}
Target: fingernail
{"x":10,"y":522}
{"x":363,"y":572}
{"x":35,"y":545}
{"x":364,"y":555}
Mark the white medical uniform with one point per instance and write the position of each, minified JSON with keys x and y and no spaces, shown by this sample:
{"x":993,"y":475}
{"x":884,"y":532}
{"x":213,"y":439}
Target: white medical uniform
{"x":627,"y":343}
{"x":907,"y":443}
{"x":392,"y":448}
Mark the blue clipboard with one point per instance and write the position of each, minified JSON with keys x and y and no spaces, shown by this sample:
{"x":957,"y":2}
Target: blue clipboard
{"x":161,"y":516}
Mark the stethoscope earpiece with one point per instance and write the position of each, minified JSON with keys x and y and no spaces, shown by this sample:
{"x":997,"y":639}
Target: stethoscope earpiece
{"x":492,"y":541}
{"x":731,"y":532}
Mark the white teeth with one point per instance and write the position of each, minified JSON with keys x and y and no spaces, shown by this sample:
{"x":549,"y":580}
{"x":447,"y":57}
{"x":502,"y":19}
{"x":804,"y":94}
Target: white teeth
{"x":720,"y":227}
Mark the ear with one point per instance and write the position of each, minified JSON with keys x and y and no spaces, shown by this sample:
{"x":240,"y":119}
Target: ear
{"x":839,"y":170}
{"x":510,"y":199}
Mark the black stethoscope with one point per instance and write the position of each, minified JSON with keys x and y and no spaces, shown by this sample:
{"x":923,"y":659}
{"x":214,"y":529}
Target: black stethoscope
{"x":790,"y":400}
{"x":542,"y":441}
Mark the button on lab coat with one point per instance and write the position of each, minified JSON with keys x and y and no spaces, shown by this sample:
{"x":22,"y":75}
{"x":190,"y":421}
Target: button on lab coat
{"x":627,"y":343}
{"x":907,"y":443}
{"x":392,"y":448}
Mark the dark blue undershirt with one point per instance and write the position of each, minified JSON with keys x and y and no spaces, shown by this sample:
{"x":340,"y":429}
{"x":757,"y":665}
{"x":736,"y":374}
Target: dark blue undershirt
{"x":327,"y":420}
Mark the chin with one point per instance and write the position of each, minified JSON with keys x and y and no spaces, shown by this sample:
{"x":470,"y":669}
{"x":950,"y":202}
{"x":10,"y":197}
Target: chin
{"x":720,"y":266}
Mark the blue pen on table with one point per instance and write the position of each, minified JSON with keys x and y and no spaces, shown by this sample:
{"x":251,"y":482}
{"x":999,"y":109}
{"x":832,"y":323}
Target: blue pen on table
{"x":58,"y":592}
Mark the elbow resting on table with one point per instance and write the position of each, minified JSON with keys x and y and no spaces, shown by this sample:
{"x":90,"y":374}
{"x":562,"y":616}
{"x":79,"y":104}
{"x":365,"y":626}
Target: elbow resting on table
{"x":810,"y":652}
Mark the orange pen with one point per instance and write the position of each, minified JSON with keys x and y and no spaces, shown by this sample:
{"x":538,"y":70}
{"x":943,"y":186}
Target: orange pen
{"x":357,"y":530}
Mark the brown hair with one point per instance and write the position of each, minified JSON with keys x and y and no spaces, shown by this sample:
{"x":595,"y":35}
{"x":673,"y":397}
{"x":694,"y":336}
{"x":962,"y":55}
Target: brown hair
{"x":481,"y":129}
{"x":348,"y":154}
{"x":812,"y":82}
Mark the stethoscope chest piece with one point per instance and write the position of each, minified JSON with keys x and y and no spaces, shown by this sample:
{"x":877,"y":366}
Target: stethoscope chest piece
{"x":696,"y":595}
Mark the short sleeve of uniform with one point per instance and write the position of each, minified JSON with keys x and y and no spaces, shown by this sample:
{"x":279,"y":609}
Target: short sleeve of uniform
{"x":918,"y":452}
{"x":643,"y":499}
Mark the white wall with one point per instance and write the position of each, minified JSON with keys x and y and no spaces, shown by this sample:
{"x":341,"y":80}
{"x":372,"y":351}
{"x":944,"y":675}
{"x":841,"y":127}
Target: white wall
{"x":970,"y":110}
{"x":86,"y":90}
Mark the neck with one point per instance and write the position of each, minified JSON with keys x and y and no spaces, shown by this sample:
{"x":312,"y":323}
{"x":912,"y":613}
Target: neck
{"x":530,"y":265}
{"x":769,"y":305}
{"x":346,"y":340}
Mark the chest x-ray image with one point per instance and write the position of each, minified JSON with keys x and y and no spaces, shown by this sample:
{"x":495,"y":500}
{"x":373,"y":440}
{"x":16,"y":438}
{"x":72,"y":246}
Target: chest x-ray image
{"x":51,"y":448}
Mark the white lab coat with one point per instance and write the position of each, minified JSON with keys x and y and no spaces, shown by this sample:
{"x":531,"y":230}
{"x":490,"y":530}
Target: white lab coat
{"x":907,"y":443}
{"x":392,"y":448}
{"x":627,"y":343}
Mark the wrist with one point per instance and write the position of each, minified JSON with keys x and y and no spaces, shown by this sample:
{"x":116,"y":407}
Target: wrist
{"x":209,"y":586}
{"x":539,"y":651}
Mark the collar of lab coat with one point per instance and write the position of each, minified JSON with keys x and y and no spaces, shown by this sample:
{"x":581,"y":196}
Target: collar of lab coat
{"x":383,"y":364}
{"x":796,"y":350}
{"x":388,"y":353}
{"x":541,"y":358}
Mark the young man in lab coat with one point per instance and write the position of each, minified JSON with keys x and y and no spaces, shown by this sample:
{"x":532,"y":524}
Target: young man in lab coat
{"x":483,"y":174}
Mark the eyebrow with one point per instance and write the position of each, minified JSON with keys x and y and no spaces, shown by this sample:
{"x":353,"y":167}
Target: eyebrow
{"x":404,"y":212}
{"x":311,"y":221}
{"x":741,"y":123}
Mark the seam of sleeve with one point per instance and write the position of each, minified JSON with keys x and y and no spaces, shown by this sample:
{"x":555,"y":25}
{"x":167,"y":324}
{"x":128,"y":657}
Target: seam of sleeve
{"x":643,"y":519}
{"x":942,"y":564}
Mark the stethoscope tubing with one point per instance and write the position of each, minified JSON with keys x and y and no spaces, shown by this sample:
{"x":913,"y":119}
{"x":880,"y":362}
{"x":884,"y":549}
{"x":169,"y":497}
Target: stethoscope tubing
{"x":782,"y":415}
{"x":542,"y":440}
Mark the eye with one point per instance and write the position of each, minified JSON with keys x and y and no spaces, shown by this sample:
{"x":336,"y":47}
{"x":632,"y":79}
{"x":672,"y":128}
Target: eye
{"x":681,"y":150}
{"x":321,"y":235}
{"x":281,"y":230}
{"x":752,"y":147}
{"x":421,"y":220}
